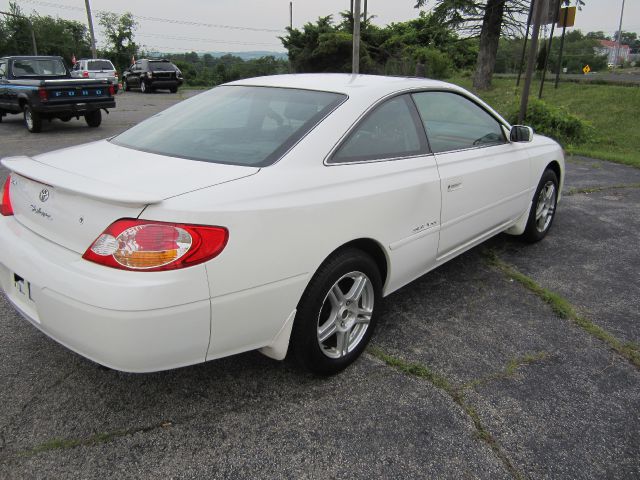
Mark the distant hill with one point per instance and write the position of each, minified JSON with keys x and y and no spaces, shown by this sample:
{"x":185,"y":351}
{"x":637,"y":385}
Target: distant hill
{"x":252,"y":54}
{"x":242,"y":55}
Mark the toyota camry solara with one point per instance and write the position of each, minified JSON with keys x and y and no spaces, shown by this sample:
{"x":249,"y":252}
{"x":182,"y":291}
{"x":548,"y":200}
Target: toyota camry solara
{"x":270,"y":213}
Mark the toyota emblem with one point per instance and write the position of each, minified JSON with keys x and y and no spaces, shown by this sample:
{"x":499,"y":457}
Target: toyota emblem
{"x":44,"y":195}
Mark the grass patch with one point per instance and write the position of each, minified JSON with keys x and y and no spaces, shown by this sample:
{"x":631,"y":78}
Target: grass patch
{"x":456,"y":394}
{"x":98,"y":438}
{"x":510,"y":370}
{"x":574,"y":191}
{"x":611,"y":109}
{"x":563,"y":308}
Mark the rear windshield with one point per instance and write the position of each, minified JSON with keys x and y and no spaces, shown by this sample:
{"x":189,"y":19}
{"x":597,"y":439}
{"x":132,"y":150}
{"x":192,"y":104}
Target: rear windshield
{"x":163,"y":66}
{"x":237,"y":125}
{"x":43,"y":67}
{"x":100,"y":65}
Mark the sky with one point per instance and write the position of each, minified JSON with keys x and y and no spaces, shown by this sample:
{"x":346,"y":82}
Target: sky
{"x":204,"y":25}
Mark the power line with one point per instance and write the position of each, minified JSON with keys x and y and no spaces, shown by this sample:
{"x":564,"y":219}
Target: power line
{"x":158,"y":19}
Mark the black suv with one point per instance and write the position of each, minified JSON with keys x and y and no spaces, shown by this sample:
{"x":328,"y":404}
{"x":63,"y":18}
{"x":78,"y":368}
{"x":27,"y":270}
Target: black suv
{"x":148,"y":75}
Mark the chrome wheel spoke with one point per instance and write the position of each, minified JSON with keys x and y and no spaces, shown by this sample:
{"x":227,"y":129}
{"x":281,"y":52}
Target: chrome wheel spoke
{"x":364,"y":315}
{"x":356,"y":289}
{"x":326,"y":331}
{"x":336,"y":297}
{"x":342,"y":344}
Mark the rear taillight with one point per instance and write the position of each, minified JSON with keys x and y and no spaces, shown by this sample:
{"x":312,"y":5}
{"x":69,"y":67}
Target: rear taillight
{"x":43,"y":94}
{"x":143,"y":245}
{"x":5,"y":207}
{"x":85,"y":74}
{"x":112,"y":89}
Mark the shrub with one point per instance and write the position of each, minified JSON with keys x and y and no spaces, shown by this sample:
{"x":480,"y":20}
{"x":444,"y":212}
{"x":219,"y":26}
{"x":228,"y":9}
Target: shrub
{"x":437,"y":64}
{"x":555,"y":122}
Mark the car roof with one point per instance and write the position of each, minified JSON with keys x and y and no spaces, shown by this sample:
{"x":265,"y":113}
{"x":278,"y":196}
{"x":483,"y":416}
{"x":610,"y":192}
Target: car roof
{"x":352,"y":85}
{"x":31,"y":57}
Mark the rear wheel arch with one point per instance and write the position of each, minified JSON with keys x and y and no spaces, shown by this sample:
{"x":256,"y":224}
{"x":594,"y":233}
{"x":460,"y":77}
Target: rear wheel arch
{"x":373,"y":249}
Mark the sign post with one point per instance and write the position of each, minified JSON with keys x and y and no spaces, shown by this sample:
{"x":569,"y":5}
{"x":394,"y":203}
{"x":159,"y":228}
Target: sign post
{"x":567,"y":19}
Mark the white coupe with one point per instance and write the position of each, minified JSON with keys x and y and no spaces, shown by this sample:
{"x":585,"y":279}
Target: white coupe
{"x":269,"y":213}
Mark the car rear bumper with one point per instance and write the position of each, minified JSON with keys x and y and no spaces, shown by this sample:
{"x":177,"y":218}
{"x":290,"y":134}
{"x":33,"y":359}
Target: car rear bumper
{"x":166,"y":83}
{"x":129,"y":321}
{"x":74,"y":108}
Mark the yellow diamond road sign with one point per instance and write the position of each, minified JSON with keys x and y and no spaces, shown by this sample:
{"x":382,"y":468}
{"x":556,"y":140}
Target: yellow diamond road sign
{"x":586,"y":69}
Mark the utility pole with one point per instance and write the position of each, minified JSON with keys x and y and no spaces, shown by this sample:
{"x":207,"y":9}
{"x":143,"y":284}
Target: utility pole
{"x":33,"y":35}
{"x":291,"y":15}
{"x":364,"y":17}
{"x":524,"y":46}
{"x":615,"y":60}
{"x":565,"y":16}
{"x":93,"y":37}
{"x":556,"y":5}
{"x":524,"y":101}
{"x":355,"y":64}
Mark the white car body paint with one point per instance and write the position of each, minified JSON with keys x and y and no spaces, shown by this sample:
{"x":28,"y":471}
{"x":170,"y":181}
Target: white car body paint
{"x":284,"y":220}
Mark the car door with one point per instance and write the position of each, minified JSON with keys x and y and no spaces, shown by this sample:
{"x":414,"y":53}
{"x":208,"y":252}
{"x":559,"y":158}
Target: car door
{"x":484,"y":177}
{"x":134,"y":76}
{"x":388,"y":153}
{"x":3,"y":82}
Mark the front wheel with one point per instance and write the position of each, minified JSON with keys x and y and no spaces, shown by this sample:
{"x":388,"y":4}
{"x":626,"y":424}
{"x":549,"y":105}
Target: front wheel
{"x":93,"y":119}
{"x":144,"y":88}
{"x":543,"y":208}
{"x":336,"y":314}
{"x":32,"y":119}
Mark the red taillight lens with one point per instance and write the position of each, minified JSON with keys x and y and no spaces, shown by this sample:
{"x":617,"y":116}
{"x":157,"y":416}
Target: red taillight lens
{"x":42,"y":93}
{"x":85,"y":74}
{"x":112,"y":89}
{"x":5,"y":208}
{"x":143,"y":245}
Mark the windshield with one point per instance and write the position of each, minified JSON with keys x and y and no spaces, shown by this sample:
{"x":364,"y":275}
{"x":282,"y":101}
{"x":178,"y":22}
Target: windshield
{"x":100,"y":65}
{"x":162,"y":66}
{"x":251,"y":126}
{"x":42,"y":67}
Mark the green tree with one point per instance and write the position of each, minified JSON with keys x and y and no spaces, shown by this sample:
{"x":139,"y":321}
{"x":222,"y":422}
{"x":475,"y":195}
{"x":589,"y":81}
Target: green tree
{"x":119,"y":30}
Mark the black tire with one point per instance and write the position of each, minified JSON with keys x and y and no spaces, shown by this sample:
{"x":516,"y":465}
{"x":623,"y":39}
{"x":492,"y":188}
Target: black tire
{"x":93,"y":119}
{"x":32,"y":120}
{"x":173,"y":89}
{"x":125,"y":85}
{"x":144,"y":88}
{"x":65,"y":119}
{"x":317,"y":307}
{"x":546,"y":199}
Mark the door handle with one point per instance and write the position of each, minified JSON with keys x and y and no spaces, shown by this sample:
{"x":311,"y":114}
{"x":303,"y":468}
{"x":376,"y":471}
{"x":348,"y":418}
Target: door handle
{"x":454,"y":186}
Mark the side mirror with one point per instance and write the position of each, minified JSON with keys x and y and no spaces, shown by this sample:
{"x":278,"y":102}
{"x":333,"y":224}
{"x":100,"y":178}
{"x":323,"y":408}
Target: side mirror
{"x":521,"y":133}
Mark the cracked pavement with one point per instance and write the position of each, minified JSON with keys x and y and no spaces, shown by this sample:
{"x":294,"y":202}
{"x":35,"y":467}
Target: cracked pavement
{"x":552,"y":400}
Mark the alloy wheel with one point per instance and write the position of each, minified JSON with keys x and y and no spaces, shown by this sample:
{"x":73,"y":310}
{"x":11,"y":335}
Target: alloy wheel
{"x":546,"y":206}
{"x":345,"y":315}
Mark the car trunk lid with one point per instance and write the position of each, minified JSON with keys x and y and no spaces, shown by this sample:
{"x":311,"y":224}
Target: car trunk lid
{"x":72,"y":195}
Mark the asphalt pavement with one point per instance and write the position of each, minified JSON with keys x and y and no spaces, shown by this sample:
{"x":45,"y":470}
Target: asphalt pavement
{"x":475,"y":371}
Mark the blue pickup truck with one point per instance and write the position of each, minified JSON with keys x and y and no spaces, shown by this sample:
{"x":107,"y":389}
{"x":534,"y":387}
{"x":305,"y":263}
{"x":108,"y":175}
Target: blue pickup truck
{"x":41,"y":88}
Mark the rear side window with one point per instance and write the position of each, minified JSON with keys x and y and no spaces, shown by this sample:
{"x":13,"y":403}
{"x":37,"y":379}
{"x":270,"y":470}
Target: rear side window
{"x":40,"y":67}
{"x":3,"y":69}
{"x":390,"y":131}
{"x":237,"y":125}
{"x":100,"y":65}
{"x":162,"y":66}
{"x":454,"y":122}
